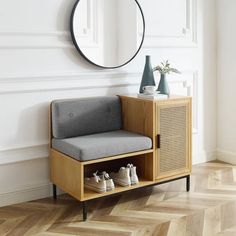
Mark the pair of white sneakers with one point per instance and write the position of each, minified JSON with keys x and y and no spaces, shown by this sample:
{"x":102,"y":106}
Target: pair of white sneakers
{"x":99,"y":182}
{"x":126,"y":176}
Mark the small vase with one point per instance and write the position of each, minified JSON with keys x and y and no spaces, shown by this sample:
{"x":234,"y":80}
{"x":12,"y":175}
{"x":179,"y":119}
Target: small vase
{"x":163,"y":85}
{"x":148,"y":76}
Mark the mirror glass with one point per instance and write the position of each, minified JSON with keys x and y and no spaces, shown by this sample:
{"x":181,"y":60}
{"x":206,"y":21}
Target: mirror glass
{"x":107,"y":33}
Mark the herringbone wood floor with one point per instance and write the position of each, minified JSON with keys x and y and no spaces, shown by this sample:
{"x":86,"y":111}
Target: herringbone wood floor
{"x":208,"y":209}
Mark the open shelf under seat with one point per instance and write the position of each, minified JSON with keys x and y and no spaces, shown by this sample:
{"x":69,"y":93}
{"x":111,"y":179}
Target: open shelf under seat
{"x":144,"y":164}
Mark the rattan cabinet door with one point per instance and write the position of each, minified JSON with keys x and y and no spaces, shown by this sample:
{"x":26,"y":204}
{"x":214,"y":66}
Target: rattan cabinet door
{"x":173,"y":153}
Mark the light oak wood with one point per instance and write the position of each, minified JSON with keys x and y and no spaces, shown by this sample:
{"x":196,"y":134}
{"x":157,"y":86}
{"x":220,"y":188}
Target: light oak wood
{"x":143,"y":162}
{"x":137,"y":111}
{"x":173,"y":175}
{"x":67,"y":174}
{"x":177,"y":104}
{"x":105,"y":159}
{"x":88,"y":194}
{"x":50,"y":126}
{"x":169,"y":99}
{"x":149,"y":171}
{"x":139,"y":116}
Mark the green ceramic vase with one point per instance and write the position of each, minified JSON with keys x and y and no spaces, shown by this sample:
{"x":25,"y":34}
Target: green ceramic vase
{"x":148,"y":76}
{"x":163,"y":85}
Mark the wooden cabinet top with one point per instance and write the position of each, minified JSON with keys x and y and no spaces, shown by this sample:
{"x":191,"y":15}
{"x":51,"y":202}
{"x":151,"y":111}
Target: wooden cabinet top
{"x":170,"y":98}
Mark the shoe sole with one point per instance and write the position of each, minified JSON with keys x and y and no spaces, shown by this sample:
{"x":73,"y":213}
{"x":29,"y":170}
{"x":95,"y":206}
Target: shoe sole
{"x":110,"y":189}
{"x":121,"y":183}
{"x":98,"y":190}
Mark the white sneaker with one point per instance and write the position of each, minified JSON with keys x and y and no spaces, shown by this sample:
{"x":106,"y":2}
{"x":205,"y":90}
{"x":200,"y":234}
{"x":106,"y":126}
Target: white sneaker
{"x":109,"y":182}
{"x":95,"y":183}
{"x":133,"y":174}
{"x":122,"y":177}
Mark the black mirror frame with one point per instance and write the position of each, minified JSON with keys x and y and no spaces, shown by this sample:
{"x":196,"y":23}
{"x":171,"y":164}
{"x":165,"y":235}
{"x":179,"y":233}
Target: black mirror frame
{"x":84,"y":56}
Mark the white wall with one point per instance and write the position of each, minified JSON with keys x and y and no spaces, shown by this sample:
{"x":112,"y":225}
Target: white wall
{"x":38,"y":63}
{"x":226,"y":74}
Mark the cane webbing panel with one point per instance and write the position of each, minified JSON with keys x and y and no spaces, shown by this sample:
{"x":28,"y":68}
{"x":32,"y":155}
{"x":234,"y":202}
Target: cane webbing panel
{"x":173,"y":133}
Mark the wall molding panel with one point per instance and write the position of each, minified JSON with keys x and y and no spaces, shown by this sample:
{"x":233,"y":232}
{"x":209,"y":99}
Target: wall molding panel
{"x":189,"y":82}
{"x":67,"y":81}
{"x":187,"y":37}
{"x":33,"y":39}
{"x":88,"y":80}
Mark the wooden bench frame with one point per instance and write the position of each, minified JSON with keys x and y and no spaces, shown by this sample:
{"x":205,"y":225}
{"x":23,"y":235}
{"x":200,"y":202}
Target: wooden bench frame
{"x":138,"y":116}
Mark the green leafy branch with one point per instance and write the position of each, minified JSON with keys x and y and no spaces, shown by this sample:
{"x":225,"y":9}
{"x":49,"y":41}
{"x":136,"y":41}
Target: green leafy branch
{"x":164,"y":68}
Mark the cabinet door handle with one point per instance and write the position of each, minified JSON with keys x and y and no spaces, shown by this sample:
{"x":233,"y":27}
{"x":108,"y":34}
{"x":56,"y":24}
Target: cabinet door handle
{"x":158,"y":141}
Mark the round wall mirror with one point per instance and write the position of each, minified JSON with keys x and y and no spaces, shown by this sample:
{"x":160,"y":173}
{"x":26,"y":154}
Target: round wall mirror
{"x":107,"y":33}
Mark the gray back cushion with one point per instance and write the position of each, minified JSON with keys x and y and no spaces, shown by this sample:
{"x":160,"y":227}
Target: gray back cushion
{"x":77,"y":117}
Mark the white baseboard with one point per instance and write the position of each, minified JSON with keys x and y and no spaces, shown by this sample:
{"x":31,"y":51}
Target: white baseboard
{"x":225,"y":156}
{"x":25,"y":194}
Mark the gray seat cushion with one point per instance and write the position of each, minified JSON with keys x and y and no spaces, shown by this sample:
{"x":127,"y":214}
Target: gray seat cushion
{"x":77,"y":117}
{"x":100,"y":145}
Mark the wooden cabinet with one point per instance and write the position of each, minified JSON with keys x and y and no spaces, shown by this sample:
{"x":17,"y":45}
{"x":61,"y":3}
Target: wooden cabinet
{"x":169,"y":123}
{"x":173,"y":132}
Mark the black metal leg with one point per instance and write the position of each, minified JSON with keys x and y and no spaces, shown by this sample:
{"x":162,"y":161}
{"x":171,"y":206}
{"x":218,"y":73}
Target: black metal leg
{"x":188,"y":183}
{"x":84,"y":211}
{"x":54,"y":191}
